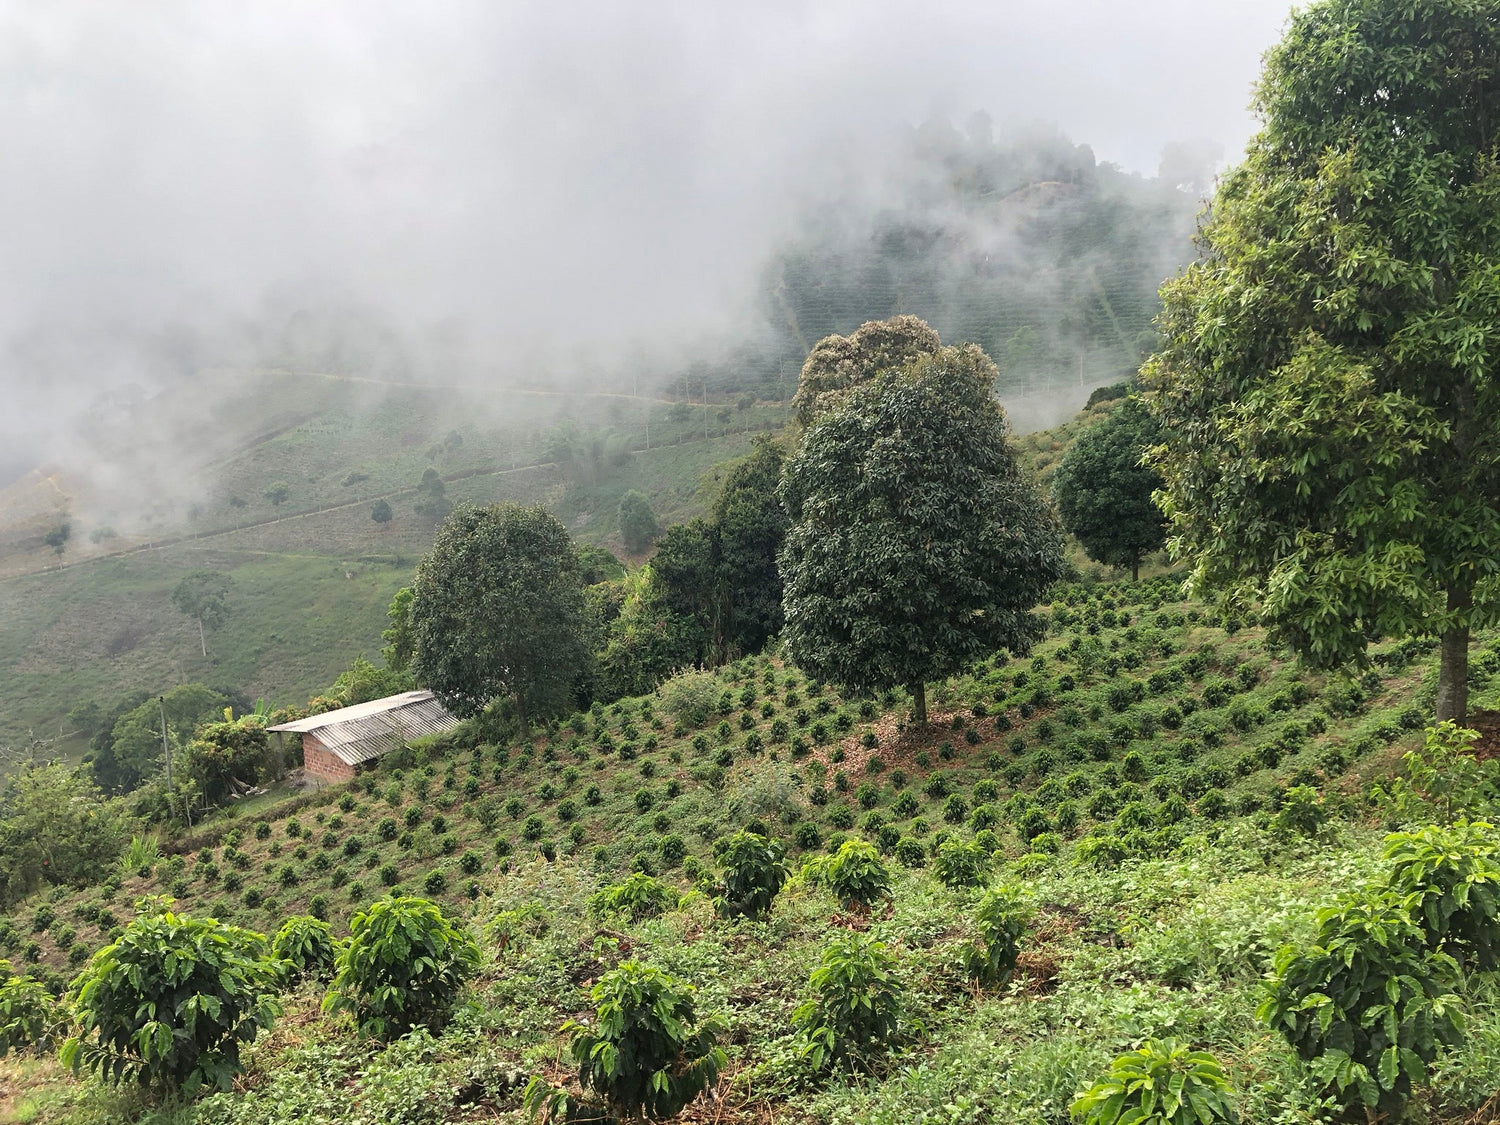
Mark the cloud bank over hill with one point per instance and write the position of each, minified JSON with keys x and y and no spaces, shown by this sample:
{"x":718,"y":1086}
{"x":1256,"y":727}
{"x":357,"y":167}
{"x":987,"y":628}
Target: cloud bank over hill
{"x":490,"y":192}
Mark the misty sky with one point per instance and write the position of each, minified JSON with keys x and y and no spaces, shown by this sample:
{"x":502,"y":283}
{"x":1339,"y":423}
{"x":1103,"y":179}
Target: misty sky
{"x":511,"y":184}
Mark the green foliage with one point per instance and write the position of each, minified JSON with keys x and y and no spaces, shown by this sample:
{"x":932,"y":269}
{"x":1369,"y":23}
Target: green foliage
{"x":129,"y":751}
{"x":855,"y":874}
{"x":497,"y":610}
{"x":855,"y":1008}
{"x":638,"y":896}
{"x":1161,"y":1082}
{"x":30,"y":1021}
{"x":1442,"y":780}
{"x":305,"y":946}
{"x":1453,"y":873}
{"x":170,"y":1004}
{"x":911,"y":474}
{"x":400,"y":642}
{"x":364,"y":682}
{"x":960,"y":863}
{"x":647,"y":1053}
{"x":1368,"y":1005}
{"x":223,"y":753}
{"x":836,"y":364}
{"x":1104,"y":491}
{"x":999,"y":921}
{"x":203,"y":595}
{"x":402,"y":967}
{"x":54,"y":830}
{"x":637,"y":521}
{"x":1326,"y":391}
{"x":753,"y":872}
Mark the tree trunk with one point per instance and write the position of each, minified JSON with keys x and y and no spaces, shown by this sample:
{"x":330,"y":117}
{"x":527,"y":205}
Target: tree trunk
{"x":521,"y":714}
{"x":1453,"y":672}
{"x":202,"y":639}
{"x":919,"y":701}
{"x":1135,"y":569}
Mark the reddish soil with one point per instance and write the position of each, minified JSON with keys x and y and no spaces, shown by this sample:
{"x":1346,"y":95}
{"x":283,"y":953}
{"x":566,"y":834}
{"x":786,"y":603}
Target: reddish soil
{"x":1487,"y":723}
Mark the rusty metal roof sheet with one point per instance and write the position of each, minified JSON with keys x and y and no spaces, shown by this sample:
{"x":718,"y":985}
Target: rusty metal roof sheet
{"x":368,"y":730}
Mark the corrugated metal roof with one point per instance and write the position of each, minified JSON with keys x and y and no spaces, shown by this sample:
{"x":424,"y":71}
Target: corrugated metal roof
{"x":367,"y":730}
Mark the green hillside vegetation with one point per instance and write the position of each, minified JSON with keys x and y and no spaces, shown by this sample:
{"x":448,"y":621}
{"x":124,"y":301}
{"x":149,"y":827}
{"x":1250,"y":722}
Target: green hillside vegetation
{"x":1173,"y":801}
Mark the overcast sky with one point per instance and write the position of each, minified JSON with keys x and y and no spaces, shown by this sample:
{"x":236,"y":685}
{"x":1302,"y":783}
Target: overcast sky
{"x":510,"y":177}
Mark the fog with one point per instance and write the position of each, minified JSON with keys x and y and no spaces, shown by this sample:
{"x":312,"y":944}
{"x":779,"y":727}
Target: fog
{"x":488,"y":192}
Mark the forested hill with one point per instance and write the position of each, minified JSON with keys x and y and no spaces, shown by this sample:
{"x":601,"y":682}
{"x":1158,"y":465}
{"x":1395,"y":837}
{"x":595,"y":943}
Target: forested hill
{"x":1027,"y":246}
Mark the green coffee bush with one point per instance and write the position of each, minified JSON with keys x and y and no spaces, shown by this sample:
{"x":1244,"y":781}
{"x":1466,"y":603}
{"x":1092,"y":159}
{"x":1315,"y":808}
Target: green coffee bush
{"x":960,"y":863}
{"x":999,"y":922}
{"x":402,"y":967}
{"x":305,"y":947}
{"x":170,"y":1004}
{"x":1368,"y":1005}
{"x":1454,"y":874}
{"x":1159,"y":1083}
{"x":639,"y":896}
{"x":855,"y":1007}
{"x":30,"y":1019}
{"x":646,"y":1054}
{"x":752,"y":872}
{"x":855,"y":874}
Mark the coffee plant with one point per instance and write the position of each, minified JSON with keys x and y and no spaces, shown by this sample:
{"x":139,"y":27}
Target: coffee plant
{"x":170,"y":1004}
{"x":1161,"y":1082}
{"x":959,"y":863}
{"x":30,"y":1019}
{"x":646,"y":1053}
{"x":1368,"y":1005}
{"x":854,"y":874}
{"x":305,"y":947}
{"x":402,"y":967}
{"x":855,"y":1007}
{"x":753,"y":872}
{"x":1454,"y":875}
{"x":638,"y":896}
{"x":999,"y":922}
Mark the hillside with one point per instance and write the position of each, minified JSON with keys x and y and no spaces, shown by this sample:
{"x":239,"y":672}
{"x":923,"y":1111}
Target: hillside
{"x":311,"y":572}
{"x":1141,"y":720}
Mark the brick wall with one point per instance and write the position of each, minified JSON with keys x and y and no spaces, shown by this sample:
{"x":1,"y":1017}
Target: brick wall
{"x":322,"y":764}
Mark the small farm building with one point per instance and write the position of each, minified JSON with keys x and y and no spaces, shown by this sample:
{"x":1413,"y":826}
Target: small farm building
{"x":337,"y":743}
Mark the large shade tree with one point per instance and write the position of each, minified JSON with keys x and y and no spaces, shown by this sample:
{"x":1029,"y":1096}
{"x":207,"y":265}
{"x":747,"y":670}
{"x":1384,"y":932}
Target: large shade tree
{"x":1328,"y":384}
{"x":497,"y":611}
{"x":1104,"y":492}
{"x":917,"y":544}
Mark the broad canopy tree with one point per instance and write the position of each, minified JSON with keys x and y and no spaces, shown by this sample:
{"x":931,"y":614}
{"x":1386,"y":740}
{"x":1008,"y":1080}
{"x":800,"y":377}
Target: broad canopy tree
{"x":917,"y":544}
{"x":1328,"y":383}
{"x":497,"y":611}
{"x":1103,"y":490}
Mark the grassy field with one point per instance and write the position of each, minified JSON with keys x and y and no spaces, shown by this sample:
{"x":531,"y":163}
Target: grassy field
{"x":1140,"y":717}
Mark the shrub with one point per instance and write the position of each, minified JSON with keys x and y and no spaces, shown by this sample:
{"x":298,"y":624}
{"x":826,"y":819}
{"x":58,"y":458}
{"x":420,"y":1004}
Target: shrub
{"x":29,"y":1017}
{"x":1455,"y":874}
{"x":1368,"y":1005}
{"x":644,"y":1055}
{"x":807,"y":836}
{"x":960,"y":863}
{"x":856,"y":1003}
{"x":752,"y":874}
{"x":999,"y":922}
{"x":955,"y":809}
{"x":639,"y":896}
{"x":402,"y":967}
{"x":1159,"y":1083}
{"x":1103,"y":852}
{"x":855,"y":874}
{"x":170,"y":1004}
{"x":909,"y":852}
{"x":305,"y":947}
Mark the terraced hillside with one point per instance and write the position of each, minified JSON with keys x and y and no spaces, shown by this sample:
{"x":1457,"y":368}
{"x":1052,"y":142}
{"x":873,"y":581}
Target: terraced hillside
{"x":1172,"y":800}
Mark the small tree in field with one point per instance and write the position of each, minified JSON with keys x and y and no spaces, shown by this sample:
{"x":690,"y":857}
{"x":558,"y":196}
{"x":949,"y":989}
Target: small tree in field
{"x":380,"y":511}
{"x":753,"y":872}
{"x":637,"y":521}
{"x":1327,"y":390}
{"x":29,"y":1015}
{"x":1104,"y":492}
{"x":171,"y":1003}
{"x":1161,"y":1082}
{"x":917,"y":543}
{"x":203,"y":595}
